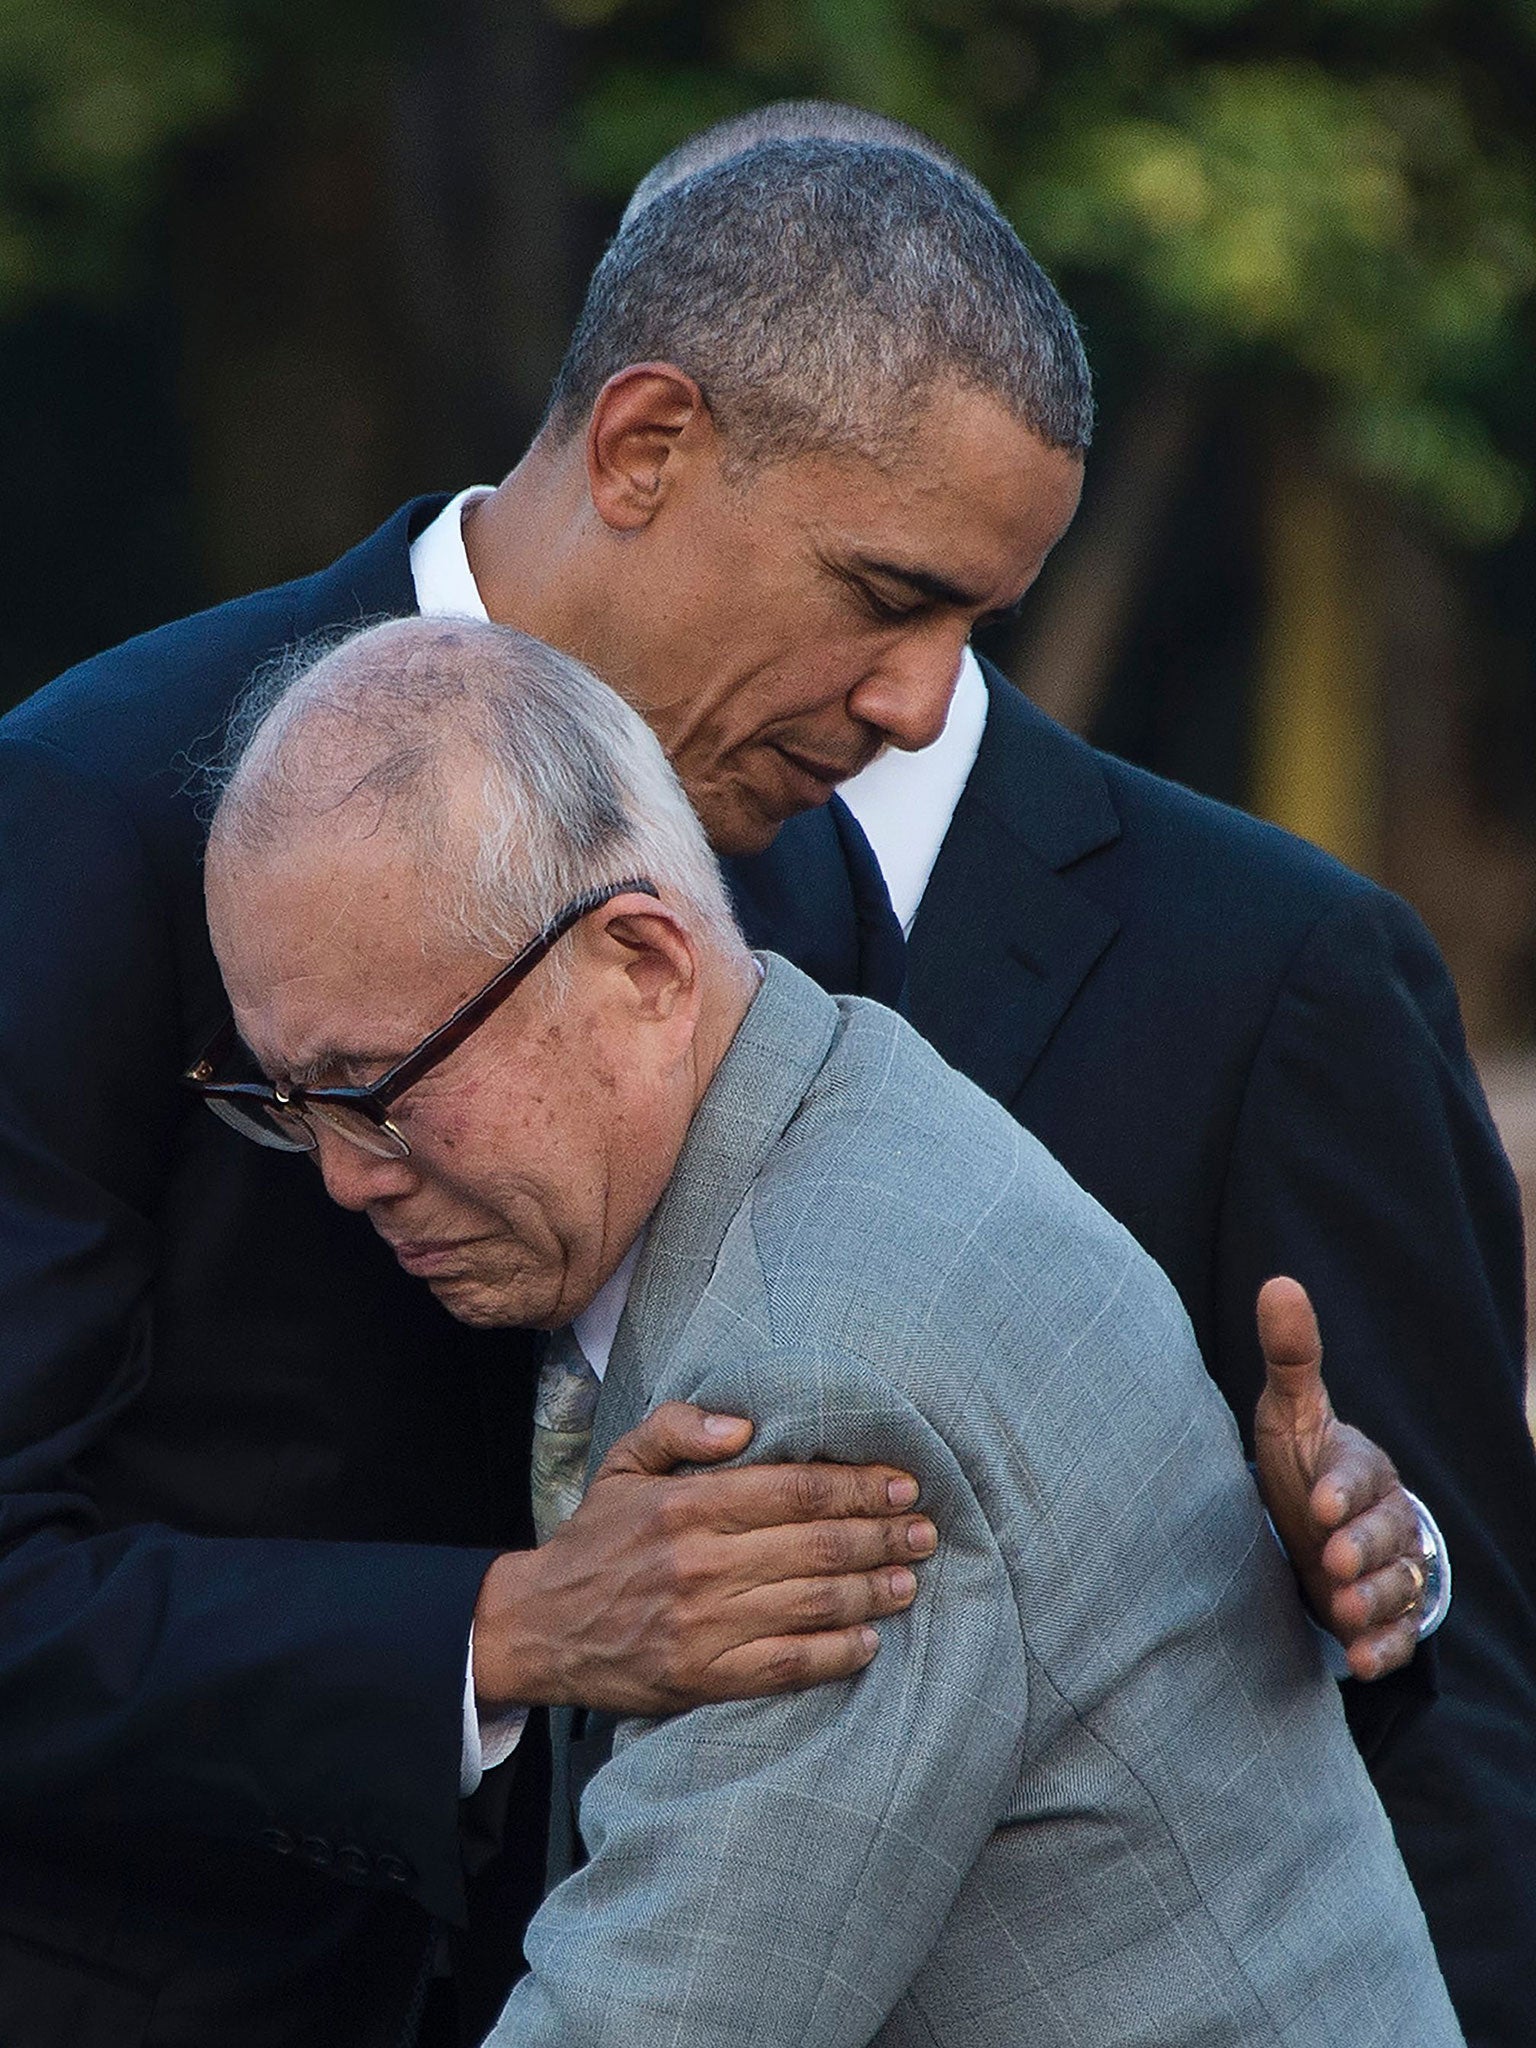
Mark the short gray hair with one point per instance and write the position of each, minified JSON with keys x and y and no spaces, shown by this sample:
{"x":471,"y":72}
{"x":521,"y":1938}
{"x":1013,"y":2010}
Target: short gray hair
{"x":572,"y":790}
{"x":788,"y":121}
{"x":818,"y":292}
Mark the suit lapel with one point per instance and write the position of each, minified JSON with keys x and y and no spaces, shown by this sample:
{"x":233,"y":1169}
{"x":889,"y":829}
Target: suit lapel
{"x":1003,"y":941}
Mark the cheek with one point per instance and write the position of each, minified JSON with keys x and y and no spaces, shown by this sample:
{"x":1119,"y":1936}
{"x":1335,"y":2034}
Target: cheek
{"x":505,"y":1141}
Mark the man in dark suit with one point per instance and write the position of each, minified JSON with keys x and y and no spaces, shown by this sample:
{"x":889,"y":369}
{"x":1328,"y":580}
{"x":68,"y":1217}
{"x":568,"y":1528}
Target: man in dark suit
{"x":255,"y":1490}
{"x":1253,"y":1058}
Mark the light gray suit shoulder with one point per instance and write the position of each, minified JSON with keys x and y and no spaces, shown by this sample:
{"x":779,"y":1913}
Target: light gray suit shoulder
{"x":1096,"y":1787}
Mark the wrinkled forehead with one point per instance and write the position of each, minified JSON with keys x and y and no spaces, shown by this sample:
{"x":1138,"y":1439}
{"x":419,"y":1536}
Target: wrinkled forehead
{"x":316,"y":934}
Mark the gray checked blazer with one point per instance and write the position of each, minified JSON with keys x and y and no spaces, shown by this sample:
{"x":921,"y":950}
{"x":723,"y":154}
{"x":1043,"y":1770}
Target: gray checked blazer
{"x":1095,"y":1789}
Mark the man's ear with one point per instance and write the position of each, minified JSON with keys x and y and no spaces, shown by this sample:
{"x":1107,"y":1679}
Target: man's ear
{"x":654,"y":950}
{"x":648,"y":420}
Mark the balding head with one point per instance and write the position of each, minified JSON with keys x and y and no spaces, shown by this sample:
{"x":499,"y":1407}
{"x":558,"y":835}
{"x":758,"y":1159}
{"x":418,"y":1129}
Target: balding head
{"x":515,"y":779}
{"x":423,"y":795}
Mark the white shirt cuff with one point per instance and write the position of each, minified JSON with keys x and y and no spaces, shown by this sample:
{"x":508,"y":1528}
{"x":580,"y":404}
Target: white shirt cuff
{"x":489,"y":1739}
{"x":1436,"y":1560}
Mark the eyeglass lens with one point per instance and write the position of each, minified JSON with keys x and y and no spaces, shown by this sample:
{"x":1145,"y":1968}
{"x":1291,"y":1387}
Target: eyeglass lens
{"x":290,"y":1129}
{"x":282,"y":1131}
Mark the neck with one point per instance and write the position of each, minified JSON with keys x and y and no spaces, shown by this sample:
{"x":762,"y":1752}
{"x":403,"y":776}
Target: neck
{"x":524,"y":547}
{"x":730,"y":990}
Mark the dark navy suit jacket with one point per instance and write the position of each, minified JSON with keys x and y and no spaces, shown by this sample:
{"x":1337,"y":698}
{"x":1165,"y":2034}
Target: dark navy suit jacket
{"x":1254,"y":1059}
{"x":250,"y":1473}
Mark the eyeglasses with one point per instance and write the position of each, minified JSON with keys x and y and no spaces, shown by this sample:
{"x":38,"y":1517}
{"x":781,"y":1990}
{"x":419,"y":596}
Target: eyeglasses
{"x":284,"y":1116}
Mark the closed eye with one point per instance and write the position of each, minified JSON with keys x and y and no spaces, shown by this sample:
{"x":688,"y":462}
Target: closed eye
{"x":886,"y":610}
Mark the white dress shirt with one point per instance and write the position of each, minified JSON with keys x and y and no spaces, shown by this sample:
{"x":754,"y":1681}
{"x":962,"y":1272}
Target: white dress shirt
{"x":445,"y":583}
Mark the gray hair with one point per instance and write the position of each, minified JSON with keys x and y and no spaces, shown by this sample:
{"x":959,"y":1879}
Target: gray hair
{"x":788,"y":121}
{"x":571,"y":788}
{"x":818,"y":292}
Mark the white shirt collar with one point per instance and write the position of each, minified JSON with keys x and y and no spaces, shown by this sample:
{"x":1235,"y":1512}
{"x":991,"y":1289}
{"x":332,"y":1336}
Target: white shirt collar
{"x":445,"y":585}
{"x":598,"y":1324}
{"x":905,"y":801}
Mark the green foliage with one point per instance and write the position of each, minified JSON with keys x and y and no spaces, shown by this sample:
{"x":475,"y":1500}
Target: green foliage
{"x":98,"y":96}
{"x":1358,"y":231}
{"x":92,"y":93}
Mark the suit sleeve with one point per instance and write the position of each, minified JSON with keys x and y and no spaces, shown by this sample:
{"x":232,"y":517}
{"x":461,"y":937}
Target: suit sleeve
{"x":1367,"y":1166}
{"x":777,"y":1870}
{"x":151,"y":1678}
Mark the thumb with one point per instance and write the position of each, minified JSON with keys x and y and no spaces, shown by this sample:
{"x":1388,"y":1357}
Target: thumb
{"x":1290,"y":1341}
{"x":677,"y":1434}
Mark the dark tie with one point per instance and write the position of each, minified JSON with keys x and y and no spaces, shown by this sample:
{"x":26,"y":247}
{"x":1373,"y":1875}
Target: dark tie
{"x":563,"y":1409}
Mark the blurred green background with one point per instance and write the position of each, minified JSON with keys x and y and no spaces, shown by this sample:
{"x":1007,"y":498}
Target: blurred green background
{"x":268,"y":267}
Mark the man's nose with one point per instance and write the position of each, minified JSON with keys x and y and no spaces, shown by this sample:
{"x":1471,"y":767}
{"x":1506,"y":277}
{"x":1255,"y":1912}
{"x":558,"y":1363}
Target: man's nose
{"x":907,"y":697}
{"x":356,"y":1178}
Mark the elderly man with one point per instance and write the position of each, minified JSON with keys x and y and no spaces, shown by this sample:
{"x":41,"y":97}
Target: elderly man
{"x":1081,"y":1795}
{"x":258,"y":1490}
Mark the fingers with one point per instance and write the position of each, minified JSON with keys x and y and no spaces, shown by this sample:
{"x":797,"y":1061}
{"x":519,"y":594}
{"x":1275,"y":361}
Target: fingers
{"x":1373,"y":1536}
{"x":753,"y":1497}
{"x":1384,"y":1649}
{"x":790,"y":1663}
{"x":1356,"y":1483}
{"x":677,"y":1434}
{"x":1376,"y":1617}
{"x":759,"y":1496}
{"x":824,"y":1550}
{"x":1289,"y":1339}
{"x":803,"y":1632}
{"x":816,"y":1606}
{"x":1380,"y":1598}
{"x":1381,"y":1616}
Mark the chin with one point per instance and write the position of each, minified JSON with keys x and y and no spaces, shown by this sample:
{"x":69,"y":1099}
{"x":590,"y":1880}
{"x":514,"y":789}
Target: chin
{"x":739,"y":830}
{"x":487,"y":1308}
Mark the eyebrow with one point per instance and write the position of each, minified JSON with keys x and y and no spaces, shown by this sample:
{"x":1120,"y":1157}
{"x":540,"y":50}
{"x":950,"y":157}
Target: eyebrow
{"x":337,"y":1061}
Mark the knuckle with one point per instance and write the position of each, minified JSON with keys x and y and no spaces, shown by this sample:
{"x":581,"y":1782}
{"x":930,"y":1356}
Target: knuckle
{"x":1378,"y":1600}
{"x":1375,"y":1545}
{"x":786,"y":1667}
{"x":673,"y":1509}
{"x":808,"y":1490}
{"x":1399,"y":1515}
{"x":826,"y":1549}
{"x":818,"y":1605}
{"x":685,"y":1563}
{"x":1344,"y":1557}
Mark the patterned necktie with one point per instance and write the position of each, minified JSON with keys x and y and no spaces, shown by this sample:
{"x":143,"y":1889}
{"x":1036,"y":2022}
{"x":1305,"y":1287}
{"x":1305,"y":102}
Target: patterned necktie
{"x":562,"y":1432}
